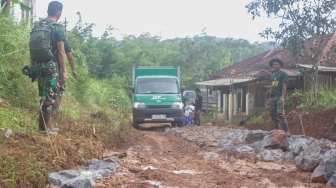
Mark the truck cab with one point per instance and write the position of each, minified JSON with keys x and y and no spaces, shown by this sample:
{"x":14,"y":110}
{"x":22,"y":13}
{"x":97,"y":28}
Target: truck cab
{"x":157,"y":96}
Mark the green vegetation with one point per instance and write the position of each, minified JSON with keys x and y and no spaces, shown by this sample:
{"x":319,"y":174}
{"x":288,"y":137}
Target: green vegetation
{"x":301,"y":99}
{"x":94,"y":115}
{"x":254,"y":118}
{"x":301,"y":21}
{"x":95,"y":108}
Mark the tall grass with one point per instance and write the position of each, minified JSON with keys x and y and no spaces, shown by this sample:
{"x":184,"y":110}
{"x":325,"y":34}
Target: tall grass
{"x":94,"y":111}
{"x":14,"y":54}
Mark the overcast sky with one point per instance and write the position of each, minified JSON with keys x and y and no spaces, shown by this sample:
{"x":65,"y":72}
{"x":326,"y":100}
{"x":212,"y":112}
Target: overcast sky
{"x":166,"y":18}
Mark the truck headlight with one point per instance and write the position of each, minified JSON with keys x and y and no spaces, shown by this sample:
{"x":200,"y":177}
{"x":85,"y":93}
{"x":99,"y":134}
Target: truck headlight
{"x":139,"y":105}
{"x":177,"y":105}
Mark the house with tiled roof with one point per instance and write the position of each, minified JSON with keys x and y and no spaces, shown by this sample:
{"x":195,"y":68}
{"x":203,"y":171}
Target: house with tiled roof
{"x":243,"y":86}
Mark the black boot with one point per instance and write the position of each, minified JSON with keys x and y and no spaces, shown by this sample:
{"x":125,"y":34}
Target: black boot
{"x":276,"y":126}
{"x":44,"y":124}
{"x":286,"y":129}
{"x":42,"y":127}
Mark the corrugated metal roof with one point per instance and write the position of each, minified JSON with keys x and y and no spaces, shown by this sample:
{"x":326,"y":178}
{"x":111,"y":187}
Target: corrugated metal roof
{"x":223,"y":82}
{"x":320,"y":68}
{"x":292,"y":72}
{"x":246,"y":77}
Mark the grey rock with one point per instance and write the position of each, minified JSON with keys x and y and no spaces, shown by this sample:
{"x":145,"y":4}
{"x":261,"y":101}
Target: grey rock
{"x":289,"y":155}
{"x":62,"y":177}
{"x":319,"y":174}
{"x":255,"y":135}
{"x":310,"y":158}
{"x":329,"y":159}
{"x":277,"y":139}
{"x":276,"y":155}
{"x":86,"y":176}
{"x":299,"y":143}
{"x":80,"y":182}
{"x":240,"y":149}
{"x":332,"y":181}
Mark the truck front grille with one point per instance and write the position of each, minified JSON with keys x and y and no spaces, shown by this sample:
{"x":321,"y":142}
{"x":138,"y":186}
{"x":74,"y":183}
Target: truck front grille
{"x":158,"y":106}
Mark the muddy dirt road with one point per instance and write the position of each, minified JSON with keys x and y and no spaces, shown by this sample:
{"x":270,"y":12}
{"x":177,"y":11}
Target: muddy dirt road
{"x":160,"y":159}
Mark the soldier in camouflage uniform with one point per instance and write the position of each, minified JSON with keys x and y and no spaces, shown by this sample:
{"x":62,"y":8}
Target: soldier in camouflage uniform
{"x":48,"y":71}
{"x":278,"y":91}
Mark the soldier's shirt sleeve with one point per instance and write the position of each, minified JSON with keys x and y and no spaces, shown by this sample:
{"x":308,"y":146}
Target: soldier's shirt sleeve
{"x":67,"y":48}
{"x":60,"y":36}
{"x":285,"y":78}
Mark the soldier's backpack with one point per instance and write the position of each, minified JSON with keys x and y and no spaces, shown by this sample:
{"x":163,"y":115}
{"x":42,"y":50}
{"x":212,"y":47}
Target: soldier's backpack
{"x":39,"y":43}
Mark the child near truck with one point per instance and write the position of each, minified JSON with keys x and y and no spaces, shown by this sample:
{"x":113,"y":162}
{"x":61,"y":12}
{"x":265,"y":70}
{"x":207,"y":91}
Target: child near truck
{"x":188,"y":115}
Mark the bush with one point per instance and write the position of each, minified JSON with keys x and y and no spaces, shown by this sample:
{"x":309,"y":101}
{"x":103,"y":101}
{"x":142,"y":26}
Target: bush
{"x":301,"y":99}
{"x":254,"y":118}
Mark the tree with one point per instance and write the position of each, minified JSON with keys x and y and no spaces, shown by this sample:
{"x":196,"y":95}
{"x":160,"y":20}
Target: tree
{"x":301,"y":21}
{"x":5,"y":5}
{"x":28,"y":8}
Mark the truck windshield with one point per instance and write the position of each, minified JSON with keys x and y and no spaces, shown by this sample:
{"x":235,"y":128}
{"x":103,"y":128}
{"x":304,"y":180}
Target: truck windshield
{"x":212,"y":98}
{"x":157,"y":86}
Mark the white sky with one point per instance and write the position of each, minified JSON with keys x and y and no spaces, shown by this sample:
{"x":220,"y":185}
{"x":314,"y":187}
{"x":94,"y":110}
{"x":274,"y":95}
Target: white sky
{"x":166,"y":18}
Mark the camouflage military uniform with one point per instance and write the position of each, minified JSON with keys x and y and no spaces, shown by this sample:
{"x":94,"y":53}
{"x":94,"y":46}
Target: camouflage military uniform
{"x":48,"y":79}
{"x":57,"y":102}
{"x":48,"y":83}
{"x":277,"y":111}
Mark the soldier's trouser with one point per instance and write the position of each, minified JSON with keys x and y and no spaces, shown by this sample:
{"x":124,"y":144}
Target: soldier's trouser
{"x":48,"y":89}
{"x":57,"y":102}
{"x":61,"y":89}
{"x":197,"y":118}
{"x":277,"y":113}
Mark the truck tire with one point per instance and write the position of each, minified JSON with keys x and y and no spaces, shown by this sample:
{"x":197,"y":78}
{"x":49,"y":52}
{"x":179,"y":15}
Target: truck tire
{"x":136,"y":125}
{"x":177,"y":124}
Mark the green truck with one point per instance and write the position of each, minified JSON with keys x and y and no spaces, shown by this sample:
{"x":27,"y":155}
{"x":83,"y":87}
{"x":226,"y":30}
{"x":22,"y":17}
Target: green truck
{"x":157,"y":95}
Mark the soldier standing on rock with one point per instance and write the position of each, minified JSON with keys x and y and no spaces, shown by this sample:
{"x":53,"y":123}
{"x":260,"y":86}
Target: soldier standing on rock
{"x":276,"y":99}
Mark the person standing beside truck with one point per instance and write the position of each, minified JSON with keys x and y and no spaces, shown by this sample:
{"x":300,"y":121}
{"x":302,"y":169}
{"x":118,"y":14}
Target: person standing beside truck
{"x":198,"y":106}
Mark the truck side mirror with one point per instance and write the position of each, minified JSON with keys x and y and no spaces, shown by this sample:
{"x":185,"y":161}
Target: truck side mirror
{"x":131,"y":88}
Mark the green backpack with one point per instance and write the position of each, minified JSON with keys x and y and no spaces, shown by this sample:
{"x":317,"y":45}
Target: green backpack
{"x":39,"y":43}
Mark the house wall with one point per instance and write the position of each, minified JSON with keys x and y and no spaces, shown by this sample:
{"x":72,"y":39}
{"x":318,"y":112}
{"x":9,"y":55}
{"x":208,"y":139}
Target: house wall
{"x":326,"y":81}
{"x":235,"y":104}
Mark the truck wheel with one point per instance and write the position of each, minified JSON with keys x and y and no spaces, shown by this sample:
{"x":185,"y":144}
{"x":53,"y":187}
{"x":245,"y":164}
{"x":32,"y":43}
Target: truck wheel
{"x":178,"y":124}
{"x":136,"y":125}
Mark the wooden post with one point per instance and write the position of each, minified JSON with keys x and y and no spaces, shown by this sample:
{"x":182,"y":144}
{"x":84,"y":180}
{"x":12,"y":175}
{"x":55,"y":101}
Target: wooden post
{"x":234,"y":104}
{"x":230,"y":106}
{"x":302,"y":126}
{"x":247,"y":103}
{"x":224,"y":107}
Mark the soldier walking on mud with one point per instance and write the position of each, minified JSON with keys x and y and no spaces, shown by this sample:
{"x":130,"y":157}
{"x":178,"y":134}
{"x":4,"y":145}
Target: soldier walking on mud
{"x":278,"y":91}
{"x":47,"y":58}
